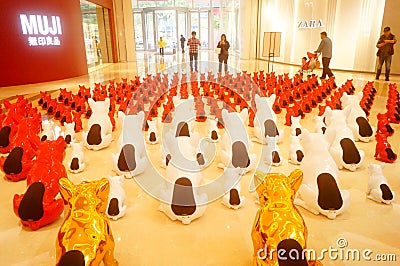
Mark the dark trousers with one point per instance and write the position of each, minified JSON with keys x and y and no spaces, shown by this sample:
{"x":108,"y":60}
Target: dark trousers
{"x":325,"y":67}
{"x":183,"y":48}
{"x":388,"y":62}
{"x":224,"y":60}
{"x":193,"y":57}
{"x":161,"y":51}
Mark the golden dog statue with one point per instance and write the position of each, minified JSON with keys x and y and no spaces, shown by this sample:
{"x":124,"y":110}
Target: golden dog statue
{"x":278,"y":227}
{"x":85,"y":237}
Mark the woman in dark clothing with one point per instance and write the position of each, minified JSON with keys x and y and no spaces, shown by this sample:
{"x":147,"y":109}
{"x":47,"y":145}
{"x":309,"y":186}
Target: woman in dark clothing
{"x":223,"y":55}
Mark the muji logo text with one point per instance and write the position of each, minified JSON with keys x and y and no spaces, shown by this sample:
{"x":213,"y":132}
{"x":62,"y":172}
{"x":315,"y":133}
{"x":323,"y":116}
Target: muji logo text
{"x":41,"y":30}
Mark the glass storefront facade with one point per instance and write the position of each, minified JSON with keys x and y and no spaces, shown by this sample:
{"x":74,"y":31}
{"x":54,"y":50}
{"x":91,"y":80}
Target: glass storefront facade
{"x":353,"y":25}
{"x":97,"y":35}
{"x":171,"y":18}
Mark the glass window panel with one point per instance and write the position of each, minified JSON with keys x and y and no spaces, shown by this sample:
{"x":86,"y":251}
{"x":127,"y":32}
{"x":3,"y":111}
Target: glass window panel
{"x":166,"y":28}
{"x":182,"y":24}
{"x":146,"y":3}
{"x":150,"y":31}
{"x":204,"y":30}
{"x":194,"y":22}
{"x":137,"y":23}
{"x":183,"y":3}
{"x":202,"y":3}
{"x":163,"y":3}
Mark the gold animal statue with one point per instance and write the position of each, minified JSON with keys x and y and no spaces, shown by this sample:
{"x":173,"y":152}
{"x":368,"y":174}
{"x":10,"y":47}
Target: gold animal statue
{"x":85,"y":237}
{"x":278,"y":227}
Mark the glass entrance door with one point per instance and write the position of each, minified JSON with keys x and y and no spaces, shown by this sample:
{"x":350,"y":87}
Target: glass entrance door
{"x":139,"y":29}
{"x":170,"y":23}
{"x":166,"y":28}
{"x":200,"y":23}
{"x":182,"y":27}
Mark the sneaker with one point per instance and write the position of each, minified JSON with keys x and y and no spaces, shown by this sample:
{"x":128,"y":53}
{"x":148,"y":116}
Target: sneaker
{"x":322,"y":78}
{"x":387,"y":79}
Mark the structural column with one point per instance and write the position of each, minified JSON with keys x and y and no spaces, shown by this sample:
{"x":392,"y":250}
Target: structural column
{"x":248,"y":10}
{"x":124,"y":30}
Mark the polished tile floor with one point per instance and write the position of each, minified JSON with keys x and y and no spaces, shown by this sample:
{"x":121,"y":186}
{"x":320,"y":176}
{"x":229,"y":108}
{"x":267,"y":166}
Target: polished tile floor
{"x":145,"y":236}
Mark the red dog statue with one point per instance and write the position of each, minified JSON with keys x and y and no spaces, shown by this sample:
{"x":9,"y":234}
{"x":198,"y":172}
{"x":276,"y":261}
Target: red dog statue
{"x":25,"y":142}
{"x":38,"y":206}
{"x":10,"y":123}
{"x":383,"y":150}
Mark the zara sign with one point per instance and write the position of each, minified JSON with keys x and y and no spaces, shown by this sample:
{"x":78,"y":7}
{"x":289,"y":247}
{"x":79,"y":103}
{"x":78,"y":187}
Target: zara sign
{"x":310,"y":24}
{"x":41,"y":30}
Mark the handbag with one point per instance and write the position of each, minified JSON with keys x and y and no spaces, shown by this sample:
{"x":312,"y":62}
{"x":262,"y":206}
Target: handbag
{"x":218,"y":50}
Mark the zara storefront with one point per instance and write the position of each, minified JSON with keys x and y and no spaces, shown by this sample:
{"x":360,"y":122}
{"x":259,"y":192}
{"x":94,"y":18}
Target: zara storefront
{"x":353,"y":25}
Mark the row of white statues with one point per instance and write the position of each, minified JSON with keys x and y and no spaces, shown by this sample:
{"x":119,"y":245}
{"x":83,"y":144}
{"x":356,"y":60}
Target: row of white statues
{"x":320,"y":155}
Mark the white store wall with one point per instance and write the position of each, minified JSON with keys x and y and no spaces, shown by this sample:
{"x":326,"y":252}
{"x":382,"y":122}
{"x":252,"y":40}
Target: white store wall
{"x":353,"y":25}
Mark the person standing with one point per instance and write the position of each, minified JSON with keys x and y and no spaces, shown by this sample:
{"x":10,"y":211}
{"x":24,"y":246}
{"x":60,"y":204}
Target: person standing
{"x":193,"y":44}
{"x":183,"y":40}
{"x":161,"y":44}
{"x":325,"y":48}
{"x":224,"y":45}
{"x":385,"y":47}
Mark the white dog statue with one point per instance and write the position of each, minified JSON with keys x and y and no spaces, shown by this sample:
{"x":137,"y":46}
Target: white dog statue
{"x":295,"y":127}
{"x":319,"y":191}
{"x":272,"y":154}
{"x":378,"y":188}
{"x":131,"y":158}
{"x":213,"y":130}
{"x":234,"y":142}
{"x":152,"y":133}
{"x":341,"y":140}
{"x":116,"y":207}
{"x":319,"y":124}
{"x":179,"y":199}
{"x":357,"y":119}
{"x":69,"y":133}
{"x":48,"y":130}
{"x":233,"y":199}
{"x":99,"y":134}
{"x":265,"y":120}
{"x":77,"y":163}
{"x":296,"y":153}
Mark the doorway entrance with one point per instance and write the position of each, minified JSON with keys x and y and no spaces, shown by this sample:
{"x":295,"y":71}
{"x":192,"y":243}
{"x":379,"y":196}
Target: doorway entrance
{"x":170,"y":23}
{"x":97,"y":33}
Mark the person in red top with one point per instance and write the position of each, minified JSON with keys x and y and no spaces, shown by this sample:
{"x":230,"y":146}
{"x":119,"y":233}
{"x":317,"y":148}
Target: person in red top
{"x":193,"y":44}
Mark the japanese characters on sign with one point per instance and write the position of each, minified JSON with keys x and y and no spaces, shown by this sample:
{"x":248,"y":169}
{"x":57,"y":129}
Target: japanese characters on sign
{"x":41,"y":30}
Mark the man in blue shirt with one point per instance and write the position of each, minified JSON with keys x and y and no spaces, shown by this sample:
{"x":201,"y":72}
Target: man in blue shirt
{"x":325,"y":48}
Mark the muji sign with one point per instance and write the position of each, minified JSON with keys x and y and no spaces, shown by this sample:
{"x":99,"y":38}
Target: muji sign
{"x":41,"y":30}
{"x":310,"y":24}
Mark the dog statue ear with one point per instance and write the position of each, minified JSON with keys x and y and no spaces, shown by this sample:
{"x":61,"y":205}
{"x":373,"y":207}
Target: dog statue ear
{"x":107,"y":103}
{"x":102,"y":191}
{"x":66,"y":189}
{"x":295,"y":179}
{"x":347,"y":111}
{"x":7,"y":104}
{"x":243,"y":114}
{"x":121,"y":116}
{"x":225,"y":115}
{"x":140,"y":116}
{"x":360,"y":96}
{"x":271,"y":100}
{"x":91,"y":103}
{"x":61,"y":144}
